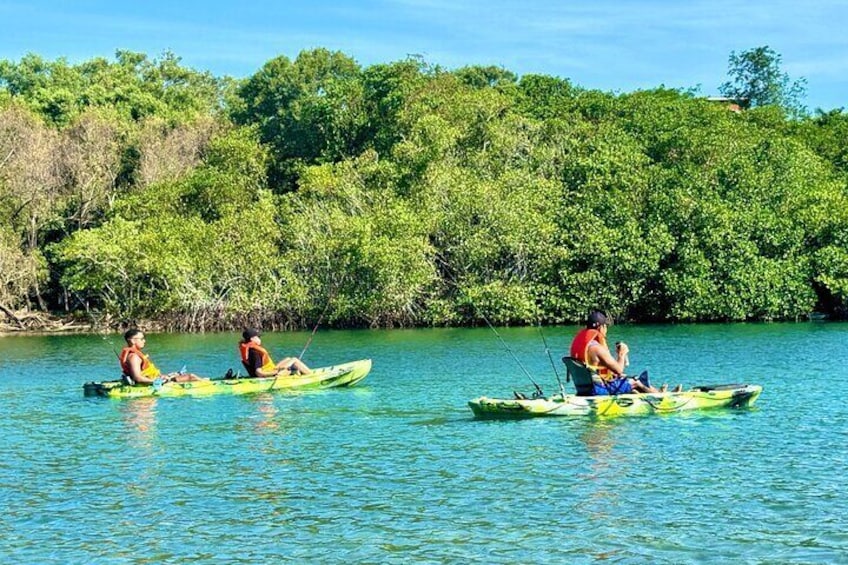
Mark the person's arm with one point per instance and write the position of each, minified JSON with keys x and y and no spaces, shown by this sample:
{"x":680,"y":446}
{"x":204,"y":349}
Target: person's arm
{"x":135,"y":371}
{"x":605,"y":359}
{"x":255,"y":361}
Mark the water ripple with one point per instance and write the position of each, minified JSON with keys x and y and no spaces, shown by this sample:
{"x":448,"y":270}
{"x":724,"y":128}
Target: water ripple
{"x":396,"y":470}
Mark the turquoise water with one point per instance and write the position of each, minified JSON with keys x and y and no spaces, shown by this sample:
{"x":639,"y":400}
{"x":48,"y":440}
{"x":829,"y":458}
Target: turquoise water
{"x":396,"y":470}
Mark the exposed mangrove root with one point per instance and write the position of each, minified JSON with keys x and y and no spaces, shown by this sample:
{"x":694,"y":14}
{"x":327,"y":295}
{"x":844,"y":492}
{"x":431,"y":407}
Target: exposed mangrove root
{"x":37,"y":322}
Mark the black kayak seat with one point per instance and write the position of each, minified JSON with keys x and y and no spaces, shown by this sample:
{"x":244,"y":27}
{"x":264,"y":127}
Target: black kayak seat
{"x":583,"y":377}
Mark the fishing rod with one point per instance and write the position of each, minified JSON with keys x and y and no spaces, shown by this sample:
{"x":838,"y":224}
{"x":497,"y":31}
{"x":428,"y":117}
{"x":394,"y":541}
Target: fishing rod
{"x":95,"y":325}
{"x":550,"y":357}
{"x":112,"y":345}
{"x":451,"y":280}
{"x":491,"y":327}
{"x":320,"y":318}
{"x":314,"y":329}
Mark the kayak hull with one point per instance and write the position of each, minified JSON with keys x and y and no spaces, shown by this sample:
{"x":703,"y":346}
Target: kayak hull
{"x":698,"y":398}
{"x":344,"y":375}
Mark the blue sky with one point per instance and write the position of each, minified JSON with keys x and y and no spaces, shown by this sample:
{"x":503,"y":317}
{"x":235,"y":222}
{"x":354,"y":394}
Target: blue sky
{"x":610,"y":45}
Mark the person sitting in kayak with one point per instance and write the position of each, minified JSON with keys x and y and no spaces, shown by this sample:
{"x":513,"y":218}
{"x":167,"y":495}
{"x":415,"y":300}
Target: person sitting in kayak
{"x":138,"y":369}
{"x":590,"y":347}
{"x":258,"y":362}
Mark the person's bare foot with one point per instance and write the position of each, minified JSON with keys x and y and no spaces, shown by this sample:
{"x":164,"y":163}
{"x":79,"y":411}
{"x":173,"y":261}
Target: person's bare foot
{"x":664,"y":387}
{"x":678,"y":388}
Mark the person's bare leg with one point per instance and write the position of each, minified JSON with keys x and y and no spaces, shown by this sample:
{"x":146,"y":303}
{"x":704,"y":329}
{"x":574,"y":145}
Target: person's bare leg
{"x":186,"y":377}
{"x":639,"y":386}
{"x":298,"y":365}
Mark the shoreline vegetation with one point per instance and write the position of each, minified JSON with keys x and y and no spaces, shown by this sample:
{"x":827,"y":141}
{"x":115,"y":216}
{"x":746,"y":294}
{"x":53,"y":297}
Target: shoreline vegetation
{"x":137,"y":191}
{"x":29,"y":323}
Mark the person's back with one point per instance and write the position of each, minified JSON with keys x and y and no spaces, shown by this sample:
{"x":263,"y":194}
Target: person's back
{"x":580,"y":349}
{"x":590,"y":348}
{"x":255,"y":358}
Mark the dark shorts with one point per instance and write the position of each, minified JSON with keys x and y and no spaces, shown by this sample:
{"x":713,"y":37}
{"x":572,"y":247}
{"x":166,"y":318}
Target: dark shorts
{"x":619,"y":385}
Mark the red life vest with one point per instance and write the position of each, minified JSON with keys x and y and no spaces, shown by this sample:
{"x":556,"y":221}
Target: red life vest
{"x":580,"y":349}
{"x":244,"y":351}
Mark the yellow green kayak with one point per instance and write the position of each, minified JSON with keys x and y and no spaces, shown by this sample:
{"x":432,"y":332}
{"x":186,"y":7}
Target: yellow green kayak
{"x":697,"y":398}
{"x":345,"y":375}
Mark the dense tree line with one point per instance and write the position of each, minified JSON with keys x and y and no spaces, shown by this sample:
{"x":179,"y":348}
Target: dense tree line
{"x":406,"y":194}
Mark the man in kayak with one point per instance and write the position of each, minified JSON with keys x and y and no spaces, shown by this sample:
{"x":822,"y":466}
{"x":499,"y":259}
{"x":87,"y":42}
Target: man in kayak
{"x":258,"y":362}
{"x":137,"y":367}
{"x":590,"y":347}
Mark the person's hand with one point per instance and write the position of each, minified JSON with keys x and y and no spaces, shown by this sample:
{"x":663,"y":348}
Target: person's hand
{"x":622,"y":350}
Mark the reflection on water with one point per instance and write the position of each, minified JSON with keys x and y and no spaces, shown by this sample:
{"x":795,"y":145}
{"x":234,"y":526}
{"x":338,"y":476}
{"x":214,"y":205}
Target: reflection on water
{"x":599,"y":438}
{"x":267,"y":413}
{"x":140,"y":421}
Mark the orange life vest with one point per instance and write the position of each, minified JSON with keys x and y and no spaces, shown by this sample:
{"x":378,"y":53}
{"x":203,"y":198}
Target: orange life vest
{"x":580,"y":350}
{"x":148,"y":369}
{"x":244,"y":350}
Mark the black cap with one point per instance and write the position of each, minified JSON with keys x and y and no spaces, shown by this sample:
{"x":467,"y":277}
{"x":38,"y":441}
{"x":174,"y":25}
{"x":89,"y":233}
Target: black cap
{"x":597,"y":319}
{"x":249,"y":333}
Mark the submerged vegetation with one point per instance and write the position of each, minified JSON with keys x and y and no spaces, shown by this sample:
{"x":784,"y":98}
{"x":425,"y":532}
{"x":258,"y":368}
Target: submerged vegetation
{"x":405,"y":194}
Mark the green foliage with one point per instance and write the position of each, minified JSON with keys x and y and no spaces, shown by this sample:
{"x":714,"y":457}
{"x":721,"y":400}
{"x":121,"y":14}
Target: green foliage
{"x":208,"y":272}
{"x":309,"y":111}
{"x":545,"y":97}
{"x":484,"y":77}
{"x":363,"y":250}
{"x":756,"y":76}
{"x":133,"y":85}
{"x":403,"y":194}
{"x":827,"y":135}
{"x":230,"y":178}
{"x":387,"y":91}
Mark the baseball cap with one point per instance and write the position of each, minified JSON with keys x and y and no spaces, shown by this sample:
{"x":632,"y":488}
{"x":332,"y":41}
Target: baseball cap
{"x":597,"y":319}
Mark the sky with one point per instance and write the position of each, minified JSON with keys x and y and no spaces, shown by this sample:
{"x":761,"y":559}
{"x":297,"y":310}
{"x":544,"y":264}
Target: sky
{"x":615,"y":46}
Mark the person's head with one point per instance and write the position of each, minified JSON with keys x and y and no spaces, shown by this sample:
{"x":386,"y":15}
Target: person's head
{"x":249,"y":333}
{"x":598,"y":321}
{"x":134,"y":336}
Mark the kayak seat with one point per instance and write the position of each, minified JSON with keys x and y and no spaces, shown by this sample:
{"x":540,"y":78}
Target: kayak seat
{"x":583,"y":377}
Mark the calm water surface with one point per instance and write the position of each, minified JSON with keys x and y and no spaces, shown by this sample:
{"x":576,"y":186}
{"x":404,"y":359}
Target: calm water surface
{"x":396,"y":470}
